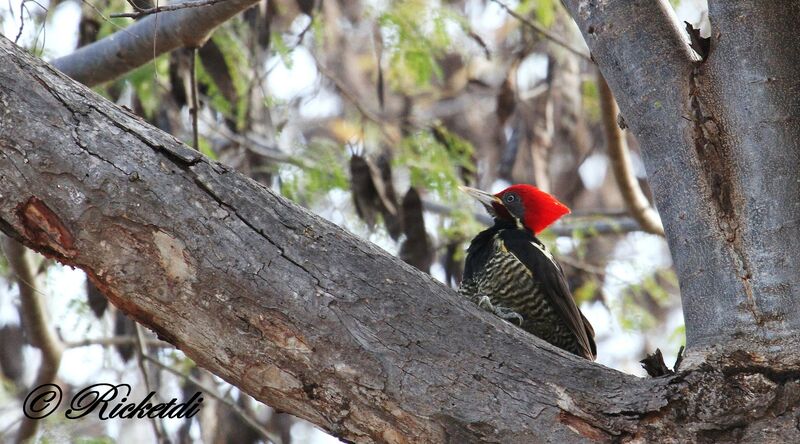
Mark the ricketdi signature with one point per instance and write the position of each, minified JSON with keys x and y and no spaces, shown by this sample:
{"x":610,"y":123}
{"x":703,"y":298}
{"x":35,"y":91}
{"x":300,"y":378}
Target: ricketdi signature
{"x":107,"y":401}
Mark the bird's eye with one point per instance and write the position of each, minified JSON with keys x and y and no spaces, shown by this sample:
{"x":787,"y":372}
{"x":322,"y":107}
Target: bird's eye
{"x":510,"y":198}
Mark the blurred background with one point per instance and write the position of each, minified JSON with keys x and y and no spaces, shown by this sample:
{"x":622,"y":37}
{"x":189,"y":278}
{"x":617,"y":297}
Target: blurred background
{"x":369,"y":113}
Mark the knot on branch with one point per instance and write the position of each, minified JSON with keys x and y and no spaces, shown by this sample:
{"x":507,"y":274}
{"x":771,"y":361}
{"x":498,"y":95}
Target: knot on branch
{"x":730,"y":397}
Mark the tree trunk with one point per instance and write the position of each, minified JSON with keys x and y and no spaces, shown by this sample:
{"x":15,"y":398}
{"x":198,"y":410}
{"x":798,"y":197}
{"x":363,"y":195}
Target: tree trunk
{"x":721,"y":147}
{"x":313,"y":321}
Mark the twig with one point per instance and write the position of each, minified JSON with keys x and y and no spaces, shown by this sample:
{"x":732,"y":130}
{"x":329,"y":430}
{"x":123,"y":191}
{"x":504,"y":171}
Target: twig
{"x":22,"y":10}
{"x":302,"y":34}
{"x":105,"y":18}
{"x":158,"y":426}
{"x":270,"y":152}
{"x":583,"y":266}
{"x":35,"y":323}
{"x":567,"y":227}
{"x":619,"y":155}
{"x":194,"y":109}
{"x":212,"y":393}
{"x":544,"y":33}
{"x":114,"y":341}
{"x":141,"y":12}
{"x":349,"y":95}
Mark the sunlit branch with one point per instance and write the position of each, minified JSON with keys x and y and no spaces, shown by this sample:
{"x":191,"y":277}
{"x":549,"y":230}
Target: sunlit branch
{"x":619,"y":155}
{"x":141,"y":12}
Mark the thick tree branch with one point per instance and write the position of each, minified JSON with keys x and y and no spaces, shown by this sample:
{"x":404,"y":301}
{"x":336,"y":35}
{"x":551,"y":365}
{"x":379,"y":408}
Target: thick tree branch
{"x":306,"y":317}
{"x":129,"y":48}
{"x":289,"y":308}
{"x":617,"y":148}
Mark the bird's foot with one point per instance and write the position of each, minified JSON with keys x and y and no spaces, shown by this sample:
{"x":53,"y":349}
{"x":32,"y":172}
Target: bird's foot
{"x":505,"y":313}
{"x":485,"y":303}
{"x":508,"y":314}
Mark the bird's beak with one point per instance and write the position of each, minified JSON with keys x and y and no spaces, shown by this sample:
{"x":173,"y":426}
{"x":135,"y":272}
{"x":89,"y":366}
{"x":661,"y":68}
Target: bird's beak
{"x":482,"y":196}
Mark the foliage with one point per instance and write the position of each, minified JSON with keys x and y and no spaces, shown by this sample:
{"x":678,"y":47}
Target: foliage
{"x":415,"y":36}
{"x":309,"y":184}
{"x":434,"y":159}
{"x":545,"y":11}
{"x":640,"y":300}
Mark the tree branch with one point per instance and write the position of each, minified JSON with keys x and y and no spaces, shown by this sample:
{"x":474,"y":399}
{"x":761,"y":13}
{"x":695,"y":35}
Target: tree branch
{"x":305,"y":317}
{"x":115,"y":340}
{"x":589,"y":224}
{"x":141,"y":12}
{"x":543,"y":32}
{"x":286,"y":306}
{"x":156,"y":34}
{"x":637,"y":203}
{"x":36,"y":324}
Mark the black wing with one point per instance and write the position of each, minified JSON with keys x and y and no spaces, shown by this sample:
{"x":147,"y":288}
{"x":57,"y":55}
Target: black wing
{"x":479,"y":252}
{"x":531,"y":252}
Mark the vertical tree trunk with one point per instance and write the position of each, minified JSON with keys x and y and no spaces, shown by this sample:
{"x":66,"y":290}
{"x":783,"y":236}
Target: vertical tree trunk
{"x":747,"y":139}
{"x":721,"y":150}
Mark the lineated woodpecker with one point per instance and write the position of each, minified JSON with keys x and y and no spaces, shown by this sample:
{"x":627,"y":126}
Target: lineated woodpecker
{"x":511,"y":273}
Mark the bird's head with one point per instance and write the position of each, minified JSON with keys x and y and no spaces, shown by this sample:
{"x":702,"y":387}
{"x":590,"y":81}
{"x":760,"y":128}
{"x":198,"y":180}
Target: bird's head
{"x":534,"y":208}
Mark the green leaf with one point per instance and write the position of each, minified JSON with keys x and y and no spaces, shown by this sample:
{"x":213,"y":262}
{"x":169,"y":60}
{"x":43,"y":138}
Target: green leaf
{"x":415,"y":36}
{"x":326,"y":172}
{"x":282,"y":49}
{"x":434,"y":159}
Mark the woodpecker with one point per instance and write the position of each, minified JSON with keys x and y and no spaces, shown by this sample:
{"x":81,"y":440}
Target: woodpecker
{"x":509,"y":272}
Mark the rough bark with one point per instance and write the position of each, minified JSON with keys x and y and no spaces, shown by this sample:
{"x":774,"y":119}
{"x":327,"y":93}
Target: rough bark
{"x":304,"y":316}
{"x":747,"y":97}
{"x":313,"y":321}
{"x":721,"y":148}
{"x":291,"y":309}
